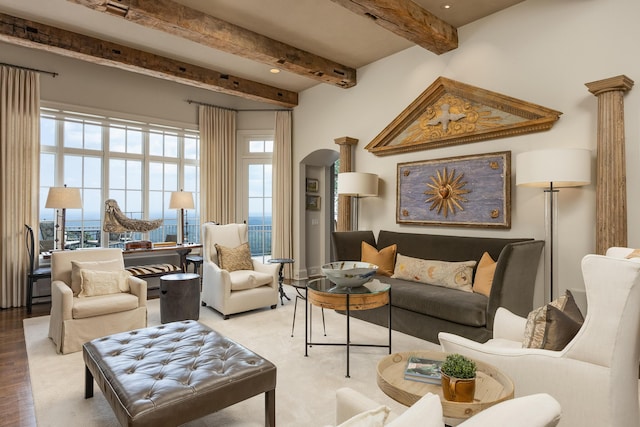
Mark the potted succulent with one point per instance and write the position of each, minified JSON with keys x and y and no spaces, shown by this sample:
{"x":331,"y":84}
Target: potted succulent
{"x":458,"y":378}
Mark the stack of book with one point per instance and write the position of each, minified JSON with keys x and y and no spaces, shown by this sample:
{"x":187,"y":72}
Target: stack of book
{"x":423,"y":370}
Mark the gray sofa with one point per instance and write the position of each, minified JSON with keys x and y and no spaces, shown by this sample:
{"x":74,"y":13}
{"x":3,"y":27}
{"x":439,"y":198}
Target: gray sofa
{"x":423,"y":310}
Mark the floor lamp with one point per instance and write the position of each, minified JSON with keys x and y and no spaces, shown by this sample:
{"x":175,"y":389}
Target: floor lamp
{"x":357,"y":185}
{"x":553,"y":169}
{"x":182,"y":200}
{"x":63,"y":198}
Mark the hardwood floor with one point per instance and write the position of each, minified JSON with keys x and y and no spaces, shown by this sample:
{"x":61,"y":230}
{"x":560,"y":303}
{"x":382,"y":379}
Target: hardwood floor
{"x":16,"y":403}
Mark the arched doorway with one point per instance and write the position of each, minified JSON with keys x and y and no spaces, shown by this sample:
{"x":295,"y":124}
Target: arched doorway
{"x":317,"y":216}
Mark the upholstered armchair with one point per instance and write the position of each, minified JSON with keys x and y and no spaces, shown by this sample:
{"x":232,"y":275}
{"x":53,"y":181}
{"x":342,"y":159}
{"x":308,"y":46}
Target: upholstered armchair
{"x":232,"y":282}
{"x":93,"y":296}
{"x":355,"y":409}
{"x":595,"y":376}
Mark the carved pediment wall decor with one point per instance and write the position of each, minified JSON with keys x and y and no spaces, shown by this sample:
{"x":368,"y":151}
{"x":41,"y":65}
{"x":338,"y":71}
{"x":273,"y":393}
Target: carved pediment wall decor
{"x":450,"y":113}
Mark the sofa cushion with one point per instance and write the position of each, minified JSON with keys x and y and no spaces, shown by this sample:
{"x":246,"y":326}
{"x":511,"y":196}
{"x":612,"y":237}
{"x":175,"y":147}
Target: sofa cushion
{"x":385,"y":259}
{"x":456,"y":275}
{"x":95,"y":282}
{"x":248,"y":279}
{"x":233,"y":259}
{"x":484,"y":275}
{"x":103,"y":304}
{"x":466,"y":308}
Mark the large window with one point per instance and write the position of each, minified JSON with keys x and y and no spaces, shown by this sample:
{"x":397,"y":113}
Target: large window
{"x":137,"y":163}
{"x":256,"y":179}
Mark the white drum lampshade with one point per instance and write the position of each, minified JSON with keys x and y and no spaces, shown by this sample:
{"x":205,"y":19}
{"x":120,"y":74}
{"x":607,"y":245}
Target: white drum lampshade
{"x":358,"y":184}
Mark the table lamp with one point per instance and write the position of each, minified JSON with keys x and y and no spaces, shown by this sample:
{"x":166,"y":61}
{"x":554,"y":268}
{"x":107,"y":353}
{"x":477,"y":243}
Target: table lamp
{"x":63,"y":198}
{"x":182,"y":200}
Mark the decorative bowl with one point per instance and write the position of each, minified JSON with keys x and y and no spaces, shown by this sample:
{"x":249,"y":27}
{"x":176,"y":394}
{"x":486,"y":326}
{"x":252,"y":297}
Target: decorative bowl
{"x":349,"y":274}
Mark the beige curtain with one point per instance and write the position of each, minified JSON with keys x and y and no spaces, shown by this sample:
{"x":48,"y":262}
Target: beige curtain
{"x":281,"y":234}
{"x":19,"y":176}
{"x":217,"y":164}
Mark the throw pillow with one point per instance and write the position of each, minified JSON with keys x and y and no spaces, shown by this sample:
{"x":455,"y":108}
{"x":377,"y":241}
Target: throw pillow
{"x":76,"y":266}
{"x":484,"y":275}
{"x":634,"y":254}
{"x":541,"y":326}
{"x":234,"y":259}
{"x":559,"y":330}
{"x":426,"y":412}
{"x":371,"y":418}
{"x":95,"y":282}
{"x":385,"y":259}
{"x":456,"y":275}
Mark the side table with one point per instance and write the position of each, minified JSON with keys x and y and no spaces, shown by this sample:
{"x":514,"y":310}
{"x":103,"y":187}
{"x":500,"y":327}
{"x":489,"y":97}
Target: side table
{"x":298,"y":285}
{"x":323,"y":293}
{"x":179,"y":297}
{"x":282,"y":262}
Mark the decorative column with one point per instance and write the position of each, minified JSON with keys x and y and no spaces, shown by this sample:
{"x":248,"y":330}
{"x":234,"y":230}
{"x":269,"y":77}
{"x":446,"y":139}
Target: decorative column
{"x":611,"y":188}
{"x":346,"y":144}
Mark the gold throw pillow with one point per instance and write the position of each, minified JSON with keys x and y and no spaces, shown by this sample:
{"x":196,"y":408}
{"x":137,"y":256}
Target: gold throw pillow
{"x":385,"y":259}
{"x":234,"y":259}
{"x":484,"y":275}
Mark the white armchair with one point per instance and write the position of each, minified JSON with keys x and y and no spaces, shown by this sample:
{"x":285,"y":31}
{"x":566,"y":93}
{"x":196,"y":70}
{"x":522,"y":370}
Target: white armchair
{"x":355,"y":409}
{"x":595,"y":377}
{"x":78,"y":313}
{"x":240,"y":290}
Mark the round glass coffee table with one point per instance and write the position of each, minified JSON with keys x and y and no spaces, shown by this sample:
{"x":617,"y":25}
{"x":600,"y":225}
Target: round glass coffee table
{"x":323,"y":293}
{"x":492,"y":386}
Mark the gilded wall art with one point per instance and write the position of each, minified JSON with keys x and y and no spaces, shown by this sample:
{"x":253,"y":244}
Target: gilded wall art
{"x":466,"y":191}
{"x":450,"y":113}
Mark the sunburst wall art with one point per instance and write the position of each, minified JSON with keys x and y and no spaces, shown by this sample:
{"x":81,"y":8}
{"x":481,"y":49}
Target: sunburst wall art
{"x":467,"y":191}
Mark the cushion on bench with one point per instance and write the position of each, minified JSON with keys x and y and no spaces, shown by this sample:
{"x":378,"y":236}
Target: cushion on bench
{"x":152,"y":269}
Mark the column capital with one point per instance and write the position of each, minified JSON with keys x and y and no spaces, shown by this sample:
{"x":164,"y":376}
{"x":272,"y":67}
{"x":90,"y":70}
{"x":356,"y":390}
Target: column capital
{"x":617,"y":83}
{"x":346,"y":140}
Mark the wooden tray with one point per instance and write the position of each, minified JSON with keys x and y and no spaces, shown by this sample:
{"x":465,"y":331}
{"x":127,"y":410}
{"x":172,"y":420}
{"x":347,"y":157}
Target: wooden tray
{"x":492,"y":386}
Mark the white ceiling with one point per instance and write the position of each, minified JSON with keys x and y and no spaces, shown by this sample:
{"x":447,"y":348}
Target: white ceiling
{"x":321,"y":27}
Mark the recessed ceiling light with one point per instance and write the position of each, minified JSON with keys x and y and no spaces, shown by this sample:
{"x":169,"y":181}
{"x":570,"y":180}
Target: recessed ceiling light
{"x":274,"y":70}
{"x":445,"y":6}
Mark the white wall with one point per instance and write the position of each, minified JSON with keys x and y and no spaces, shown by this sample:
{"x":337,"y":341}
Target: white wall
{"x":541,"y":51}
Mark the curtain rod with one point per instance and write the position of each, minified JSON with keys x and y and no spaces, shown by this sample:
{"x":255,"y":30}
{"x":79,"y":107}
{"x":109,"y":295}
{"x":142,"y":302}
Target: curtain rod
{"x":190,"y":101}
{"x":51,"y":73}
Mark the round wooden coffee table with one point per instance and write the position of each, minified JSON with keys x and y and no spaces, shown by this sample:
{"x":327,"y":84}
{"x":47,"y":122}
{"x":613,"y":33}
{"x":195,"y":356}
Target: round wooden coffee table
{"x":492,"y":386}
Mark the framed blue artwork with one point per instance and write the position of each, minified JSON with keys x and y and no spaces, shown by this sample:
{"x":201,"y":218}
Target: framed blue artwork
{"x":466,"y":191}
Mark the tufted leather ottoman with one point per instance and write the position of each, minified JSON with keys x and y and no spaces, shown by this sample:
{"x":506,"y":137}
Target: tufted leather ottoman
{"x":171,"y":374}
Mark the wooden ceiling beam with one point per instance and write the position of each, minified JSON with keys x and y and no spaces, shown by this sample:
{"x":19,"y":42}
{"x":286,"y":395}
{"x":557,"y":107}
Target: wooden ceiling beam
{"x":32,"y":34}
{"x":408,"y":20}
{"x":182,"y":21}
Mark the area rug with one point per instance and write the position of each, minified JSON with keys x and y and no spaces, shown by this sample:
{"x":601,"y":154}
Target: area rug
{"x":305,"y":391}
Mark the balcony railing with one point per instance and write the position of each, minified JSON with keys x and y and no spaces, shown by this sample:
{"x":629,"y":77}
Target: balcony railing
{"x":90,"y":234}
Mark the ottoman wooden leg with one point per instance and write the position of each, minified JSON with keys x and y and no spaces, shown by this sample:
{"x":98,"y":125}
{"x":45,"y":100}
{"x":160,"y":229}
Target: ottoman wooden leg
{"x":270,"y":408}
{"x":88,"y":383}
